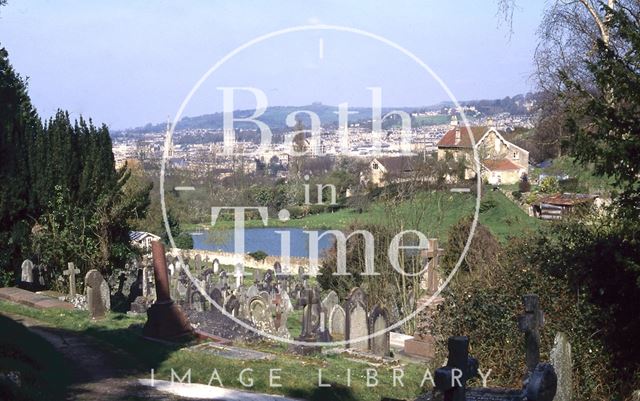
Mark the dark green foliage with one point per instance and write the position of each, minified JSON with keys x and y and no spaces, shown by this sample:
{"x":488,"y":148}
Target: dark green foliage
{"x":588,"y":278}
{"x":182,"y":240}
{"x":258,"y":255}
{"x":524,"y":185}
{"x":606,"y":127}
{"x":62,"y":198}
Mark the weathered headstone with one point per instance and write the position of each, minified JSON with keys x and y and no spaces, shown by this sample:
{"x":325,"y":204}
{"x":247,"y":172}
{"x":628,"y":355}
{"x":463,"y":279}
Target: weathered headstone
{"x":26,"y":276}
{"x":310,"y":325}
{"x":337,"y":322}
{"x":277,"y":307}
{"x":253,"y":291}
{"x":356,"y":323}
{"x":356,"y":326}
{"x":98,"y":295}
{"x":258,"y":310}
{"x":287,"y":305}
{"x":378,"y":322}
{"x":232,"y":306}
{"x":71,"y":272}
{"x":330,"y":301}
{"x":216,"y":266}
{"x":563,"y":365}
{"x":216,"y":296}
{"x":198,"y":302}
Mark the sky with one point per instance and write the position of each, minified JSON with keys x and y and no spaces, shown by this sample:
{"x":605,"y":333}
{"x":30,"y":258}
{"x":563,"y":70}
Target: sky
{"x":128,"y":63}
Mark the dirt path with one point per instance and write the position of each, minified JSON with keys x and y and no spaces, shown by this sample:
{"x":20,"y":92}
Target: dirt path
{"x":96,"y":376}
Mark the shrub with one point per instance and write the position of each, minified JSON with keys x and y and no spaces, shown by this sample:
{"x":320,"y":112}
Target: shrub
{"x":524,"y":185}
{"x":517,"y":195}
{"x":549,"y":185}
{"x":588,"y":278}
{"x":258,"y":255}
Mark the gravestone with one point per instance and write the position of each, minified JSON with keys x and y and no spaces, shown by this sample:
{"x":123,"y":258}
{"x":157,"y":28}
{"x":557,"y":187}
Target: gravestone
{"x":26,"y":277}
{"x":197,"y":263}
{"x":71,"y":272}
{"x":378,"y":322}
{"x":530,"y":323}
{"x":356,"y":326}
{"x":196,"y":301}
{"x":330,"y":301}
{"x":309,"y":301}
{"x":277,"y":268}
{"x":232,"y":306}
{"x":43,"y":276}
{"x":216,"y":296}
{"x":97,"y":292}
{"x":287,"y":305}
{"x":269,"y":278}
{"x":356,"y":322}
{"x":357,"y":295}
{"x":224,"y":280}
{"x":265,"y":296}
{"x":337,"y":322}
{"x":277,"y":308}
{"x":563,"y":365}
{"x":253,"y":291}
{"x":258,"y":310}
{"x":239,"y":274}
{"x":450,"y":380}
{"x":216,"y":266}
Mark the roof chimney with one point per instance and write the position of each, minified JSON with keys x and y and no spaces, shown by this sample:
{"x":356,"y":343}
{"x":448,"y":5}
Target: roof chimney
{"x":456,"y":126}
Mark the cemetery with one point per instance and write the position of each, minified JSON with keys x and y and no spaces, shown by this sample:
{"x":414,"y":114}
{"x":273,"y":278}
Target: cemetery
{"x":199,"y":306}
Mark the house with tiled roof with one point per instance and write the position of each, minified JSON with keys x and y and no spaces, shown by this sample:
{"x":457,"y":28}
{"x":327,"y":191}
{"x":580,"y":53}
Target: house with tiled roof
{"x":501,"y":162}
{"x":390,"y":169}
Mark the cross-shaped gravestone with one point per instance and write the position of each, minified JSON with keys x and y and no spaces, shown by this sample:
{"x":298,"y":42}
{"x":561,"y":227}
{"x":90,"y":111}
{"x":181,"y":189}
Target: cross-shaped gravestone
{"x":307,"y":300}
{"x":530,"y":323}
{"x":451,"y":380}
{"x":240,"y":274}
{"x":277,"y":302}
{"x":71,"y":272}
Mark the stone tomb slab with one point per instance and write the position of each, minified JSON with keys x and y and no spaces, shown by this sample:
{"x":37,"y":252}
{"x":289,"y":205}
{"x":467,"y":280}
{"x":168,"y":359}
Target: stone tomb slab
{"x":24,"y":297}
{"x":231,"y":352}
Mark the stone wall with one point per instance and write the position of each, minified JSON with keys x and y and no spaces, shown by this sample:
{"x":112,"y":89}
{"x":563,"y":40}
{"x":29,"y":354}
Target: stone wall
{"x":230,"y":258}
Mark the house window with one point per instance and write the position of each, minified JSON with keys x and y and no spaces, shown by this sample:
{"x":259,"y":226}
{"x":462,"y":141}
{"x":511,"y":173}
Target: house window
{"x":515,"y":155}
{"x":375,"y":166}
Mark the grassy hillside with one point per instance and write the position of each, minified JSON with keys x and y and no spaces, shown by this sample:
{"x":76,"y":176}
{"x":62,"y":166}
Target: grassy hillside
{"x":432,"y":213}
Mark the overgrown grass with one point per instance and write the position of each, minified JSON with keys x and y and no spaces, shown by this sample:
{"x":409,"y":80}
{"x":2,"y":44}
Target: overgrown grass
{"x":440,"y":211}
{"x":586,"y":179}
{"x":298,"y":375}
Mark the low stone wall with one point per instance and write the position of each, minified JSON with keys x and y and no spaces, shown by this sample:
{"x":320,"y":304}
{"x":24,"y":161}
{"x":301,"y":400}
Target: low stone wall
{"x":230,"y":258}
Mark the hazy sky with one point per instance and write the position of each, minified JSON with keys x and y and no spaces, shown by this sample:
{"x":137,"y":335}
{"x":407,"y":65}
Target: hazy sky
{"x":126,"y":63}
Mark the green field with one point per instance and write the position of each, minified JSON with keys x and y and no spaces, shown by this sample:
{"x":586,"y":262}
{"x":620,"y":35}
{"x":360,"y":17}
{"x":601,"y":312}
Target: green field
{"x":433,"y":213}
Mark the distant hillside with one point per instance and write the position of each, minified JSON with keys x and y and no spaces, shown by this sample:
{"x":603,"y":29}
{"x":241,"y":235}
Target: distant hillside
{"x":275,"y":116}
